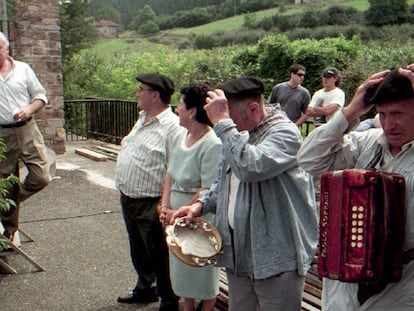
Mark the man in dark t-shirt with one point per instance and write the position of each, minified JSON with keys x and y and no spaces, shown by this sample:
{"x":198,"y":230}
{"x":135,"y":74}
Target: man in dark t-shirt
{"x":292,"y":96}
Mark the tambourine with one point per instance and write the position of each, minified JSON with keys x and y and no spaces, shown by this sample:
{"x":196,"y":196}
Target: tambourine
{"x":196,"y":244}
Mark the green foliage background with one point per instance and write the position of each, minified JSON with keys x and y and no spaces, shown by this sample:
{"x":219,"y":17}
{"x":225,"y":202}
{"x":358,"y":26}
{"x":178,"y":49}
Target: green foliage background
{"x":91,"y":76}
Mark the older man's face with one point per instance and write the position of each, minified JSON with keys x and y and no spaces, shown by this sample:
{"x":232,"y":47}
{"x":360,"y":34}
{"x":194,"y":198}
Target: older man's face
{"x":397,"y":120}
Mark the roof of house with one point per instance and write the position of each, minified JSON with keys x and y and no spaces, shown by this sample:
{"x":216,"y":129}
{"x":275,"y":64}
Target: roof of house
{"x":105,"y":23}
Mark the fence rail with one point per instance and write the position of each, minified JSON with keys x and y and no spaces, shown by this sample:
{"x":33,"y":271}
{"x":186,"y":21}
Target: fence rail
{"x":104,"y":119}
{"x":108,"y":120}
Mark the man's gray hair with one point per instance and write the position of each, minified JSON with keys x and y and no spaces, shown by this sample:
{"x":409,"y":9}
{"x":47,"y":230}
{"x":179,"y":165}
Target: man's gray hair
{"x":4,"y":38}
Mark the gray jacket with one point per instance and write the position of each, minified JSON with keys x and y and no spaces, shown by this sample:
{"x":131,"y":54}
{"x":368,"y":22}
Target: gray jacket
{"x":275,"y":224}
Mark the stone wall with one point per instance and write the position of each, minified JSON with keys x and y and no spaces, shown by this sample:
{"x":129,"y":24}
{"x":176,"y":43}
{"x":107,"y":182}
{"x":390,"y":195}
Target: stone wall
{"x":37,"y":42}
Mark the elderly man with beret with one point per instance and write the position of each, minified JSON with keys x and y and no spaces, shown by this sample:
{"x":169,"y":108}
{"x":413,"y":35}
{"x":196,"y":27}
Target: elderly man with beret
{"x":263,"y":201}
{"x":140,"y":168}
{"x":334,"y":147}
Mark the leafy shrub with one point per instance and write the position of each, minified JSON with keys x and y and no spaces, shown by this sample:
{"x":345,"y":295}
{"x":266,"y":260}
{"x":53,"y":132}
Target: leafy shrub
{"x":243,"y":38}
{"x":5,"y":184}
{"x":149,"y":28}
{"x":285,"y":22}
{"x":310,"y":18}
{"x":204,"y":42}
{"x":340,"y":15}
{"x":385,"y":12}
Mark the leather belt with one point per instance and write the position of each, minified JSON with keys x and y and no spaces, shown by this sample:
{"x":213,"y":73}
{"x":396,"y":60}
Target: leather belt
{"x":13,"y":125}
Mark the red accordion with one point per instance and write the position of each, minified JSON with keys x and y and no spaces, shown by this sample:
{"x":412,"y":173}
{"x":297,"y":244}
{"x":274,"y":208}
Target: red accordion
{"x":362,"y":226}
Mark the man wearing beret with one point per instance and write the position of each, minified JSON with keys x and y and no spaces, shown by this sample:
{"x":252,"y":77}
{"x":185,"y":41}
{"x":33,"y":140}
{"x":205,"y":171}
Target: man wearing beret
{"x":334,"y":147}
{"x":140,"y":168}
{"x":263,"y":201}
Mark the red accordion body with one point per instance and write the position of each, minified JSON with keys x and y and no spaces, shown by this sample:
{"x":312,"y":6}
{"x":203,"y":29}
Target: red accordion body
{"x":362,"y":226}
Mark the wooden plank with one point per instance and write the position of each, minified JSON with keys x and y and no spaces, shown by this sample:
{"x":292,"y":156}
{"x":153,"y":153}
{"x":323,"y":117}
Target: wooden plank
{"x":116,"y":148}
{"x":107,"y":149}
{"x":308,"y":307}
{"x":314,"y":301}
{"x":91,"y":154}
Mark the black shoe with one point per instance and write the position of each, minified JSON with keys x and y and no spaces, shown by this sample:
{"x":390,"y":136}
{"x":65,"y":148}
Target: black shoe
{"x":169,"y":306}
{"x":199,"y":306}
{"x":144,"y":296}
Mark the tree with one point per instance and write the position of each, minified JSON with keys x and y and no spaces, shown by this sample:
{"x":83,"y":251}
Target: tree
{"x":144,"y":16}
{"x":149,"y":28}
{"x":386,"y":12}
{"x":77,"y":31}
{"x":109,"y":13}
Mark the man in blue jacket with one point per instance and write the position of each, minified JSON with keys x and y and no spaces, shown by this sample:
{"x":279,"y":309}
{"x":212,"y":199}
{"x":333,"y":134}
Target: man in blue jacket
{"x":263,"y":201}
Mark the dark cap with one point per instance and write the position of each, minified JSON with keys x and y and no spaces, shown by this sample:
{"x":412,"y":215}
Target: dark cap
{"x":394,"y":87}
{"x":157,"y":82}
{"x":330,"y":71}
{"x":243,"y":87}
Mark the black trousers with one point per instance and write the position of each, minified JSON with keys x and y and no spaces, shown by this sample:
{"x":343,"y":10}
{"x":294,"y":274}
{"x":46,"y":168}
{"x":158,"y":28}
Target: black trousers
{"x":149,"y":251}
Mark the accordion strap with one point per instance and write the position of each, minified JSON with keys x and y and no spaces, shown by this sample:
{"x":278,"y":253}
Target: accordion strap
{"x":377,"y":157}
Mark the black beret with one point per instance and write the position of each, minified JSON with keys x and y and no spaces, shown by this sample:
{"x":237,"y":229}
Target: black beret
{"x":394,"y":87}
{"x":243,"y":87}
{"x":331,"y":71}
{"x":158,"y":82}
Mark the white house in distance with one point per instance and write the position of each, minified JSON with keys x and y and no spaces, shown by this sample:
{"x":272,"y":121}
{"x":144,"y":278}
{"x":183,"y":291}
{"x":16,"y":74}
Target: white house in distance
{"x":107,"y":28}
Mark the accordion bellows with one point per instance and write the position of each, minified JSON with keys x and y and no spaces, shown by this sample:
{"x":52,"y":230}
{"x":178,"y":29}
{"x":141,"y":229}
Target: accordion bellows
{"x":362,"y":226}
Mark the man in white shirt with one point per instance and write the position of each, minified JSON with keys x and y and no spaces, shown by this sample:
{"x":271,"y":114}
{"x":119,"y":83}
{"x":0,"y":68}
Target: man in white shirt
{"x":334,"y":147}
{"x":21,"y":97}
{"x":328,"y":100}
{"x":141,"y":165}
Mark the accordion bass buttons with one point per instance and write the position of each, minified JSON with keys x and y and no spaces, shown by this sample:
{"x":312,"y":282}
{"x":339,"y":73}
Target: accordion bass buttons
{"x":357,"y":228}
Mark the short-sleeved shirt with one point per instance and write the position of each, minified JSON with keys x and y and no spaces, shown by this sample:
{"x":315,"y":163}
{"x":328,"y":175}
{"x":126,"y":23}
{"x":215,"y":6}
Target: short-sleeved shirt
{"x":323,"y":98}
{"x":142,"y":161}
{"x":293,"y":101}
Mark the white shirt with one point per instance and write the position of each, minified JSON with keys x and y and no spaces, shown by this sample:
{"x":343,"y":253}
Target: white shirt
{"x":17,"y":90}
{"x":328,"y":148}
{"x":323,"y":98}
{"x":142,"y":161}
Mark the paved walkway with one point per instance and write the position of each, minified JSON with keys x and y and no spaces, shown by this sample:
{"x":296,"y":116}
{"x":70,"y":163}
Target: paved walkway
{"x":80,"y":240}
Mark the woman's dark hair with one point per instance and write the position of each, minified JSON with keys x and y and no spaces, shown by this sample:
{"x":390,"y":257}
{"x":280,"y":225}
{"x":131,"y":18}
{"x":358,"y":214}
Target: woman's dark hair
{"x":194,"y":96}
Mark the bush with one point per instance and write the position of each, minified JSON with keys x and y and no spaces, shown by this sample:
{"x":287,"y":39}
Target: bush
{"x":5,"y":184}
{"x":310,"y":19}
{"x":202,"y":41}
{"x":339,"y":15}
{"x":386,"y":12}
{"x":243,"y":38}
{"x":149,"y":28}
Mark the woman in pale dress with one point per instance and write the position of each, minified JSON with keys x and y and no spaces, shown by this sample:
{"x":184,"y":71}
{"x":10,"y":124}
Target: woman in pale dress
{"x":192,"y":168}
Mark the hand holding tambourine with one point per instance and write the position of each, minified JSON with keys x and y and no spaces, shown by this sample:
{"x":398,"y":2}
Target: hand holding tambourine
{"x":196,"y":243}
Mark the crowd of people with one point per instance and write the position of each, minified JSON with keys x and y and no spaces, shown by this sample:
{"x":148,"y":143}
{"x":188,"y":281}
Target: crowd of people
{"x":238,"y":160}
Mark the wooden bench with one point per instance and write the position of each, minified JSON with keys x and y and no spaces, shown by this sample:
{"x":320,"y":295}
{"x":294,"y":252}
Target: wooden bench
{"x":311,"y":299}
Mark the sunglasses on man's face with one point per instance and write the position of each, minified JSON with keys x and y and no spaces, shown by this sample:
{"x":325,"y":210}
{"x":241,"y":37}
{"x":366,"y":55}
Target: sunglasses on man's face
{"x":300,"y":75}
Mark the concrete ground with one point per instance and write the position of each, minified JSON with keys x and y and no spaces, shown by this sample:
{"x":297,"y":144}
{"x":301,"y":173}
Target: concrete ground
{"x":80,"y":240}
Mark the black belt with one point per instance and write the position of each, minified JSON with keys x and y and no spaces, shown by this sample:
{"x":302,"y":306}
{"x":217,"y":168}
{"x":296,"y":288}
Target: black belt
{"x":13,"y":125}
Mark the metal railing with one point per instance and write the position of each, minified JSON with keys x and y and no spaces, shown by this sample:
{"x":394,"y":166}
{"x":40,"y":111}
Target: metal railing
{"x":103,"y":119}
{"x":108,"y":120}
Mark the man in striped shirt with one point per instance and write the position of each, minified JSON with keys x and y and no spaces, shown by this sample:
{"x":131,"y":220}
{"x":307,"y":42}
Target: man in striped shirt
{"x":141,"y":165}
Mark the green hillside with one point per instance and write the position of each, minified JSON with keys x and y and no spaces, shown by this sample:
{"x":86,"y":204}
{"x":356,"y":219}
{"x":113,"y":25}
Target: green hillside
{"x":130,"y":42}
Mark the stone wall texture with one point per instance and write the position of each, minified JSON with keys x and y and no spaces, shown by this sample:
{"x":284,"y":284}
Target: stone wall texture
{"x":37,"y":42}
